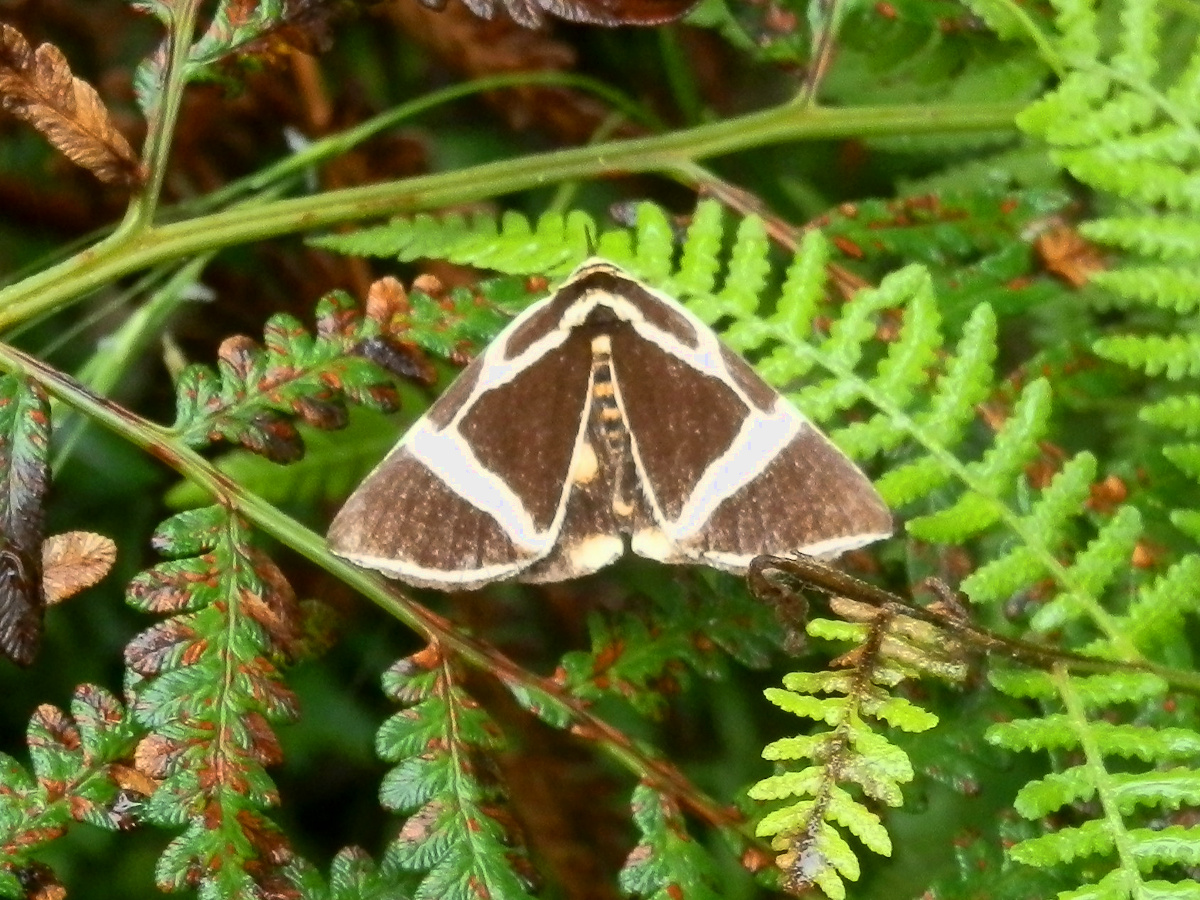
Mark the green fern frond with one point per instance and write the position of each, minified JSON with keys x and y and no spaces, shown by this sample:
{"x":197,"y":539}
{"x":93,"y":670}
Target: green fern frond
{"x":1125,"y":799}
{"x":852,"y":753}
{"x":667,"y":864}
{"x":511,"y":245}
{"x":1182,"y":413}
{"x":1127,"y":123}
{"x":73,"y":778}
{"x":693,"y":627}
{"x":207,"y":691}
{"x":1177,"y":356}
{"x":457,"y":838}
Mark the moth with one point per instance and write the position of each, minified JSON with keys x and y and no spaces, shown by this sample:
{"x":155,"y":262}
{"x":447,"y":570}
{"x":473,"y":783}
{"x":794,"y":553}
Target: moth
{"x":605,"y":414}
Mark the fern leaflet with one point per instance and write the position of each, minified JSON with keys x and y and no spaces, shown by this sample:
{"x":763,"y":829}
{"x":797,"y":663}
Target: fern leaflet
{"x":206,"y":690}
{"x":82,"y":772}
{"x":889,"y":650}
{"x":668,"y":864}
{"x":457,"y":838}
{"x":1125,"y":833}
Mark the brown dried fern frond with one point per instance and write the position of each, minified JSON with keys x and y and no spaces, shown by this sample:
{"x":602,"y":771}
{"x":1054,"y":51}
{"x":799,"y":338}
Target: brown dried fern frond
{"x":37,"y":86}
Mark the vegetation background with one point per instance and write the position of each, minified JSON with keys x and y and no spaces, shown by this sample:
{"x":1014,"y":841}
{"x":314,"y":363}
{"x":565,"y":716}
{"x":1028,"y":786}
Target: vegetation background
{"x":964,"y":236}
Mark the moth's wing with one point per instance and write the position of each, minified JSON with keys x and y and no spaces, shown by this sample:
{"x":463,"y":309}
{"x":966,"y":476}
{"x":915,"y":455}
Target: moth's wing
{"x":732,"y":469}
{"x":476,"y":490}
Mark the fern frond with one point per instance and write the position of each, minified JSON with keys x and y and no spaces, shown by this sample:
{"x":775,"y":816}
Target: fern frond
{"x":634,"y":657}
{"x":973,"y":240}
{"x":852,"y":753}
{"x":204,"y":686}
{"x":1177,"y":356}
{"x":511,"y":245}
{"x":667,"y":864}
{"x":457,"y":837}
{"x":24,"y":479}
{"x":1127,"y":123}
{"x":295,"y":374}
{"x":231,"y":28}
{"x":1127,"y":798}
{"x":81,"y":772}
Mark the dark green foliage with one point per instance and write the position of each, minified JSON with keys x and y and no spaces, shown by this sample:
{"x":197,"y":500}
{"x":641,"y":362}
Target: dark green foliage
{"x":983,"y":867}
{"x":668,"y":864}
{"x":206,"y":687}
{"x":644,"y":655}
{"x":918,"y":322}
{"x":969,"y":243}
{"x":458,"y":837}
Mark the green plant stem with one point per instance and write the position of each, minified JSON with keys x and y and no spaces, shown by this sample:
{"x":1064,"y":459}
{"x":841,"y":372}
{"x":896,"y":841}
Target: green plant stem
{"x":162,"y":444}
{"x":680,"y":75}
{"x":343,"y":142}
{"x":1110,"y":805}
{"x":286,"y":170}
{"x":161,"y":130}
{"x":124,"y":253}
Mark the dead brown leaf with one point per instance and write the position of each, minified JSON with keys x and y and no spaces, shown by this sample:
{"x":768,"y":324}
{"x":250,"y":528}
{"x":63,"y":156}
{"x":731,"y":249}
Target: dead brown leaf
{"x":1065,"y":253}
{"x":532,"y":13}
{"x":476,"y":48}
{"x":74,"y":561}
{"x":37,"y":86}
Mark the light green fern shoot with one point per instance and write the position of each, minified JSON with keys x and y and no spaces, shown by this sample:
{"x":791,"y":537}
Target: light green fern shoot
{"x":852,"y":702}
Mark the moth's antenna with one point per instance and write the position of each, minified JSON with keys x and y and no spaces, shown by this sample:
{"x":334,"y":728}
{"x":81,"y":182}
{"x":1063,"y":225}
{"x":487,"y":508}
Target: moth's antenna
{"x":592,"y":238}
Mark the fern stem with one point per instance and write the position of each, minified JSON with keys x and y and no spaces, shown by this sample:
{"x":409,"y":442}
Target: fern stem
{"x":112,"y":259}
{"x":162,"y":444}
{"x":292,"y":167}
{"x":1134,"y":886}
{"x":815,"y":575}
{"x":156,"y":153}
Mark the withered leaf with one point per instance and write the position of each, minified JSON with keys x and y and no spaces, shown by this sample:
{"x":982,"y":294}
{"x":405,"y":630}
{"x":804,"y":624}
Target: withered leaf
{"x":24,"y":437}
{"x":39,"y":882}
{"x":37,"y":86}
{"x":74,"y":561}
{"x":20,"y":607}
{"x":532,"y":13}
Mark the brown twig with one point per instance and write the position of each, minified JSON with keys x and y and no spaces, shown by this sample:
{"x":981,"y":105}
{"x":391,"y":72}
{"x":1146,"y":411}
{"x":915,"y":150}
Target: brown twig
{"x":948,"y":614}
